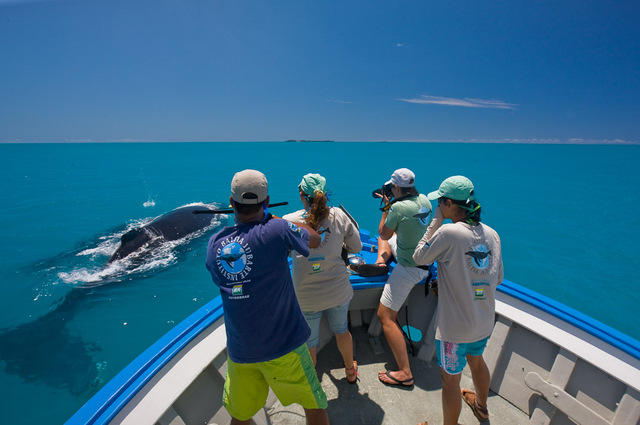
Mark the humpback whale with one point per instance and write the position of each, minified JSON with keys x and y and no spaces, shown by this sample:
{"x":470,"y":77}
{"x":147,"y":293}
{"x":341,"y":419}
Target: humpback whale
{"x":28,"y":350}
{"x":423,"y":215}
{"x":478,"y":256}
{"x":171,"y":226}
{"x":230,"y":257}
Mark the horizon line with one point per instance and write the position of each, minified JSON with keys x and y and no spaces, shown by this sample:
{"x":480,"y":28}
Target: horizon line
{"x":520,"y":141}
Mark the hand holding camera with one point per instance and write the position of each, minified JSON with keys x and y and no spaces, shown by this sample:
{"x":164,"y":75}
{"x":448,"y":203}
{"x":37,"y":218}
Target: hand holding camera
{"x":384,"y":192}
{"x":386,"y":195}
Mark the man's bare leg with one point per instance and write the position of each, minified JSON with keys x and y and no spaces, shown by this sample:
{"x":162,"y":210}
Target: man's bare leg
{"x":317,"y":416}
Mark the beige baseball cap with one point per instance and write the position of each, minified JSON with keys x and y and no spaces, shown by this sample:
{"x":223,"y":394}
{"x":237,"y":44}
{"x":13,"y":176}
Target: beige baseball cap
{"x":249,"y":187}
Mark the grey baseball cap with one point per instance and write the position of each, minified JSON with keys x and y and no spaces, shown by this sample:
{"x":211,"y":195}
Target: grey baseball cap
{"x":249,"y":187}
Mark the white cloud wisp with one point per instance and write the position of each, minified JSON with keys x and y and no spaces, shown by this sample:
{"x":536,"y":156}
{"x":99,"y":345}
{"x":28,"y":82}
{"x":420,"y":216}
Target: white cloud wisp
{"x":466,"y":102}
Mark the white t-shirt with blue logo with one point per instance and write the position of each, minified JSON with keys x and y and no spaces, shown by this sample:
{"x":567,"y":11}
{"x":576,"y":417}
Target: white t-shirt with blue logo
{"x":469,"y":270}
{"x":321,"y":279}
{"x":248,"y":262}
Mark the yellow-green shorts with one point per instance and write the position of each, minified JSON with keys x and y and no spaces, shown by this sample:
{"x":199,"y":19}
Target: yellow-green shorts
{"x":292,"y":378}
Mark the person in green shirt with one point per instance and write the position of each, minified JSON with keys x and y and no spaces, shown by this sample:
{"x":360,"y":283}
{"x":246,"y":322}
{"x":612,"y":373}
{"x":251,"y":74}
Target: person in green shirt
{"x":404,"y":220}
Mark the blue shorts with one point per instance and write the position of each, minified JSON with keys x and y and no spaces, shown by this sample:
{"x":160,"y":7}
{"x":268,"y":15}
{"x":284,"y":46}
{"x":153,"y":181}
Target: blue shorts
{"x":338,"y":322}
{"x":452,"y":357}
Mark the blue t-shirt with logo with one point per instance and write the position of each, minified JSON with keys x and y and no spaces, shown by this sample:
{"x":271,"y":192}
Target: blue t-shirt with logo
{"x":249,"y":263}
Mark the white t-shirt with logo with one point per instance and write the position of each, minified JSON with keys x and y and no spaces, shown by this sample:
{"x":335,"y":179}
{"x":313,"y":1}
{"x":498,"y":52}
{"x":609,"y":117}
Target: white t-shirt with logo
{"x":469,"y":270}
{"x":321,"y":279}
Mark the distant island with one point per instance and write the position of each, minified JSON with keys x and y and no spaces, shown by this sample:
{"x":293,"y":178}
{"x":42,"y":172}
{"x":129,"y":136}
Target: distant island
{"x":307,"y":141}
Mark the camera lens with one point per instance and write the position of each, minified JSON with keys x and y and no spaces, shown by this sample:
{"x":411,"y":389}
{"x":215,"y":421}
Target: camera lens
{"x":387,"y":190}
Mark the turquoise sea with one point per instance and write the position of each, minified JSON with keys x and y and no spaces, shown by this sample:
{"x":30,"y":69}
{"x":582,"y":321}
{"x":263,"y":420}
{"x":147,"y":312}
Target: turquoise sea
{"x":566,"y":215}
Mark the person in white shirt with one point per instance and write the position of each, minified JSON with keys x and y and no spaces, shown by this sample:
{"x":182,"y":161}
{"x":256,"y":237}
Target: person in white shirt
{"x":321,"y":280}
{"x":469,"y":260}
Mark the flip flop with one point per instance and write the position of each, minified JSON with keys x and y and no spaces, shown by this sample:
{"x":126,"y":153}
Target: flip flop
{"x":368,"y":270}
{"x":396,"y":381}
{"x":481,"y":413}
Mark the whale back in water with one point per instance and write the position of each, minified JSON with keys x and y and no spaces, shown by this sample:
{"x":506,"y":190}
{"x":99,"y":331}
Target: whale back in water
{"x":171,"y":226}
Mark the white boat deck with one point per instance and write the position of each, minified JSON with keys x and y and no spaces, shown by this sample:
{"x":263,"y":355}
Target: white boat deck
{"x":546,"y":372}
{"x":370,"y":402}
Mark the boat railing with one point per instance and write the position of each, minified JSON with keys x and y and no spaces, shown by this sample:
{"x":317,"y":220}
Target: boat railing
{"x":581,"y":321}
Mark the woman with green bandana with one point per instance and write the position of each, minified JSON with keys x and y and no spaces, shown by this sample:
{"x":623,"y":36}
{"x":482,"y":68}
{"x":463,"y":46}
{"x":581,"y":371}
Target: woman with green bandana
{"x":321,"y":280}
{"x":469,"y":257}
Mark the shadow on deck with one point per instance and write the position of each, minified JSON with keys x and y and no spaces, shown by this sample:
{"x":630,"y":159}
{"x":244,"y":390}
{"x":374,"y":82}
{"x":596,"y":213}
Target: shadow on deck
{"x":370,"y":402}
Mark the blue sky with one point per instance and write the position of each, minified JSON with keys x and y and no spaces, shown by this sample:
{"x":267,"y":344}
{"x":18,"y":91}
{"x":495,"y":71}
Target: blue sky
{"x":236,"y":70}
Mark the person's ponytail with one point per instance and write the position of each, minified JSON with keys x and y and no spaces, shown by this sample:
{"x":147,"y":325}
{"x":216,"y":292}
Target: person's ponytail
{"x":318,"y":210}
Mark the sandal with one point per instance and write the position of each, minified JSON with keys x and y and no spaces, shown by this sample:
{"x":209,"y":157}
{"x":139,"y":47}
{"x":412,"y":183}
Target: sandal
{"x":481,"y":413}
{"x":353,"y":372}
{"x":394,"y":380}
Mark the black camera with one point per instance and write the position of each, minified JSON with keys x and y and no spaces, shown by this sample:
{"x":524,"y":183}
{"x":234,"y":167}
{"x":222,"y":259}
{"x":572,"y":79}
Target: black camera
{"x":384,"y":191}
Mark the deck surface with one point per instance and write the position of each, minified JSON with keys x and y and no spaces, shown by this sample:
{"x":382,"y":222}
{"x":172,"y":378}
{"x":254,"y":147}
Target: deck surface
{"x":369,"y":402}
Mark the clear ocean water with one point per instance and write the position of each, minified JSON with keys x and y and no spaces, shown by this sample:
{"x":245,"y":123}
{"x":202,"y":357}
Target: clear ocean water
{"x":566,"y":215}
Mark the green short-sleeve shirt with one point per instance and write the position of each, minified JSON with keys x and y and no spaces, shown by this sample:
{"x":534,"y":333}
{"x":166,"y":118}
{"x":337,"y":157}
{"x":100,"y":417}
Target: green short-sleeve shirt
{"x":409,"y":219}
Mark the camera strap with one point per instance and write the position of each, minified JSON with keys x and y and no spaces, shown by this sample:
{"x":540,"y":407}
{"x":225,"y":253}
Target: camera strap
{"x":386,"y":207}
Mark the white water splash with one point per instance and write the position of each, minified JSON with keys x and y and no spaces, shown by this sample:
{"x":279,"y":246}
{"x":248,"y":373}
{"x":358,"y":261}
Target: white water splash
{"x":97,"y":273}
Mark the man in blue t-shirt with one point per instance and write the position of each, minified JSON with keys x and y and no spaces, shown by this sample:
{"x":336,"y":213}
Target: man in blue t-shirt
{"x":266,"y":331}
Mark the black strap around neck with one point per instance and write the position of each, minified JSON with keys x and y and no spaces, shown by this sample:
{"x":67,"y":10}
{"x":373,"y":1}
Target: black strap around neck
{"x":387,"y":206}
